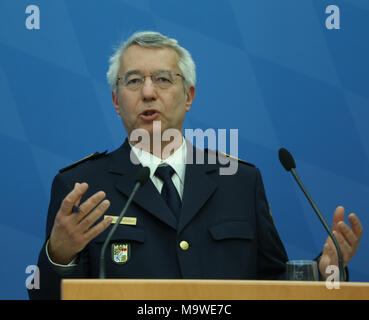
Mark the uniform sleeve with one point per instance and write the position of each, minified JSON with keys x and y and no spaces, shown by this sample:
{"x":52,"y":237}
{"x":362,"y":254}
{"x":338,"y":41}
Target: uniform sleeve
{"x":272,"y":255}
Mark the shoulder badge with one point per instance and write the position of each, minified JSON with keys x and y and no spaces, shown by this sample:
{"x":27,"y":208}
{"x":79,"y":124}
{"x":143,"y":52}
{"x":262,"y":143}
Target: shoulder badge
{"x":239,"y":160}
{"x":229,"y":156}
{"x":92,"y":156}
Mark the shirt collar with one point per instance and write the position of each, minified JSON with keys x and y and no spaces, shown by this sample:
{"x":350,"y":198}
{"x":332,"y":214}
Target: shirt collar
{"x":177,"y":160}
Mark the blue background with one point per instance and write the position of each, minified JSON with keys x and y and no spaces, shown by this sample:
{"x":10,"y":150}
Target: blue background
{"x":268,"y":68}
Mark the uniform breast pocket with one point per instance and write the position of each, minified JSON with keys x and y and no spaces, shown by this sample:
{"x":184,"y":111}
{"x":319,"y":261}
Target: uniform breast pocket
{"x":240,"y":229}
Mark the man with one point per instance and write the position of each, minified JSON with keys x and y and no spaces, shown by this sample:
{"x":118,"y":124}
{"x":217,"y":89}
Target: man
{"x":194,"y":223}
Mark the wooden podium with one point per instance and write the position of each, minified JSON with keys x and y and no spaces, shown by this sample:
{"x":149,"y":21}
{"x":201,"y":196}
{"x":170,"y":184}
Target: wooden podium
{"x":142,"y":289}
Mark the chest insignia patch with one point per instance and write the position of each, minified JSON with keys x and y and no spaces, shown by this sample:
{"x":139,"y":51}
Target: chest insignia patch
{"x":120,"y":252}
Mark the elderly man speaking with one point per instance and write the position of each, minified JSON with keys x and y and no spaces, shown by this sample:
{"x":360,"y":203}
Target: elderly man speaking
{"x":189,"y":221}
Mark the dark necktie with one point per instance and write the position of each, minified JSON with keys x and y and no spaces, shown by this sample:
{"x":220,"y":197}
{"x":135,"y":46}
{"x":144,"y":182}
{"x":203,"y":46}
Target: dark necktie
{"x":169,"y":191}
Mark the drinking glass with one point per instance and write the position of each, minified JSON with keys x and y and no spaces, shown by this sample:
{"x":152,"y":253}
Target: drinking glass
{"x":302,"y":270}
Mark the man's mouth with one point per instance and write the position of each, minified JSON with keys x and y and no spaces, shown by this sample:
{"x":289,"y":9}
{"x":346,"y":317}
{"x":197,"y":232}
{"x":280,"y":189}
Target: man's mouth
{"x":149,"y":114}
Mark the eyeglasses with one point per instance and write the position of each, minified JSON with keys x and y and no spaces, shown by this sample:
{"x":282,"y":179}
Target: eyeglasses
{"x":161,"y":79}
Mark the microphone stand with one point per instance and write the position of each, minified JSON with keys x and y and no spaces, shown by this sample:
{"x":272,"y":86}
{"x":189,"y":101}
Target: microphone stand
{"x":320,"y":216}
{"x":142,"y":177}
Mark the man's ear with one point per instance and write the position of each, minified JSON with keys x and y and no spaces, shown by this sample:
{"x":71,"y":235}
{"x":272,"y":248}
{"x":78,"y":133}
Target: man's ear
{"x":115,"y":102}
{"x":190,"y":95}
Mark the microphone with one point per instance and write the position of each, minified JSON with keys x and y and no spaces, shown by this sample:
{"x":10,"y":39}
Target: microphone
{"x":142,"y":177}
{"x":289,"y":164}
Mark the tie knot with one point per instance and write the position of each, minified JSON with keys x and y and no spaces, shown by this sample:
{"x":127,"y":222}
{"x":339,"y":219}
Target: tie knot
{"x":164,"y":173}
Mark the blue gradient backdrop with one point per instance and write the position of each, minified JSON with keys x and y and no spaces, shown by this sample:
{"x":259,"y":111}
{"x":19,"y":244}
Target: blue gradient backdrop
{"x":268,"y":68}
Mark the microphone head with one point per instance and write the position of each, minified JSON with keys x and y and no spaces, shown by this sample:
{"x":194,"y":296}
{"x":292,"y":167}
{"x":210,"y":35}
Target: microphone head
{"x":286,"y":159}
{"x":143,"y":175}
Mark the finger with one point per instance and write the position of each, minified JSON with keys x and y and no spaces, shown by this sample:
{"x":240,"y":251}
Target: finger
{"x":90,"y":204}
{"x":72,"y":198}
{"x":345,"y":248}
{"x":76,"y":206}
{"x":326,"y":249}
{"x":339,"y":215}
{"x":356,"y":226}
{"x":329,"y":253}
{"x":331,"y":248}
{"x":78,"y":202}
{"x":347,"y":233}
{"x":97,"y":229}
{"x":95,"y":214}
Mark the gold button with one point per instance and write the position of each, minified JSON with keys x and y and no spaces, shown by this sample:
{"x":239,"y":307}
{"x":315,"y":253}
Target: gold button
{"x":184,"y":245}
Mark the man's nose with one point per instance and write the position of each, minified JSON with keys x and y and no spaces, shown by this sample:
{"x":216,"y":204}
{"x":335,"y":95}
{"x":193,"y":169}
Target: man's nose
{"x":148,"y":89}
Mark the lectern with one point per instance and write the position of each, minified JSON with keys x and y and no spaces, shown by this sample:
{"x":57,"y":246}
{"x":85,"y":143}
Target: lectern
{"x":143,"y":289}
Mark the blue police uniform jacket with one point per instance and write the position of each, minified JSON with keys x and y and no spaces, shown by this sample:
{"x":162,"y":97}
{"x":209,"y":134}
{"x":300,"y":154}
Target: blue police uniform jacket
{"x":225,"y":222}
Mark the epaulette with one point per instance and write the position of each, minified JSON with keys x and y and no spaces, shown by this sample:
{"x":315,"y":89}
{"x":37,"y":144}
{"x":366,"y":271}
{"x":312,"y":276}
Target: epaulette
{"x":92,"y":156}
{"x":229,"y":156}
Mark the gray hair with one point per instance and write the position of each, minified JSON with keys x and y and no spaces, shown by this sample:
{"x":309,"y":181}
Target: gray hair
{"x":152,"y":39}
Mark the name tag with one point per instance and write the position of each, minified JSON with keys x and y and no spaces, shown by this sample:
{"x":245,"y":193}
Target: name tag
{"x":126,"y":220}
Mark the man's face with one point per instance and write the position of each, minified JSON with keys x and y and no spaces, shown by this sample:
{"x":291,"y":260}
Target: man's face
{"x":139,"y":108}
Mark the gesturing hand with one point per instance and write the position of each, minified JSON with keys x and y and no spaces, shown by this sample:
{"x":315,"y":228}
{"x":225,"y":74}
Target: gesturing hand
{"x":348,"y":239}
{"x":72,"y":231}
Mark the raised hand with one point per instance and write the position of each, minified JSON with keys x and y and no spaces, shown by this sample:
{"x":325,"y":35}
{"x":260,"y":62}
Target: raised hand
{"x":348,"y":239}
{"x":72,"y":231}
